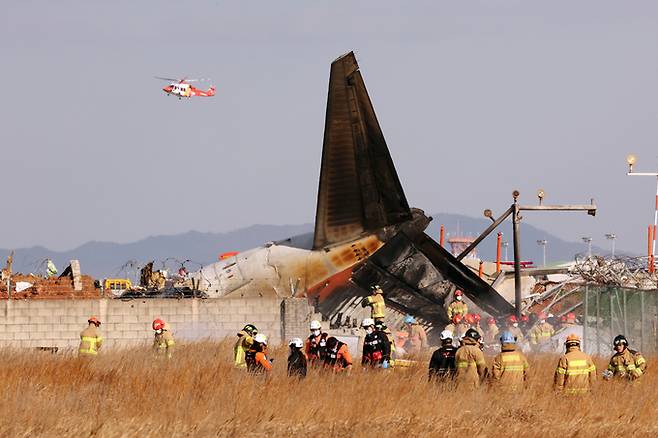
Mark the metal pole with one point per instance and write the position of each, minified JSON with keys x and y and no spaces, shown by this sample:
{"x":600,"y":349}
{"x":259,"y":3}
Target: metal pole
{"x":486,"y":232}
{"x":586,"y":322}
{"x":625,"y":314}
{"x":498,"y":241}
{"x":655,"y":222}
{"x":598,"y":321}
{"x":642,"y":320}
{"x":613,"y":247}
{"x":544,"y":260}
{"x":611,"y":314}
{"x":516,"y":219}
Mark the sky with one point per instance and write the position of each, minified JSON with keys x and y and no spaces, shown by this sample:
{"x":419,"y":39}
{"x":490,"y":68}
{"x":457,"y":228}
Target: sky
{"x":475,"y":99}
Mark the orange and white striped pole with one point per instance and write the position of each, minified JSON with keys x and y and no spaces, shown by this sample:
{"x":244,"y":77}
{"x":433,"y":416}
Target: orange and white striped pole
{"x":442,"y":236}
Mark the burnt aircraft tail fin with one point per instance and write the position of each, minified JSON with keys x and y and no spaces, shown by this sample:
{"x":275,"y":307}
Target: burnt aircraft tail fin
{"x":359,"y":188}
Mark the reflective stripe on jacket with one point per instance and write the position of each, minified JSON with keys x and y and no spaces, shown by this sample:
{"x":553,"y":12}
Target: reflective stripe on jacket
{"x":90,"y":341}
{"x":541,"y":334}
{"x":627,"y":364}
{"x":457,"y":308}
{"x":575,"y":372}
{"x":470,"y":363}
{"x":378,"y":306}
{"x":510,"y":368}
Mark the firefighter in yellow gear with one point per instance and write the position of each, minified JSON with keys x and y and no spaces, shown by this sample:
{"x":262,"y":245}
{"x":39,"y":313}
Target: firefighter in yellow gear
{"x":469,"y":361}
{"x":458,"y":327}
{"x":90,"y":338}
{"x":376,"y":303}
{"x":625,"y":363}
{"x":513,"y":328}
{"x":458,"y":306}
{"x":163,"y":340}
{"x":541,"y":334}
{"x":510,"y":367}
{"x":575,"y":372}
{"x":243,"y":344}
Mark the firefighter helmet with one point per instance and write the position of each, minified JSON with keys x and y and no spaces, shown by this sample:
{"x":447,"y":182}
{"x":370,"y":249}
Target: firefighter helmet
{"x":445,"y":335}
{"x":473,"y":334}
{"x":572,"y":339}
{"x":250,"y":329}
{"x":367,"y":322}
{"x":491,"y":320}
{"x":158,"y":324}
{"x":541,"y":316}
{"x":409,"y":319}
{"x":296,"y":342}
{"x":507,"y":338}
{"x":620,"y":340}
{"x":260,"y":338}
{"x":458,"y":293}
{"x":457,"y":318}
{"x":315,"y":325}
{"x":470,"y":320}
{"x":477,"y":317}
{"x":94,"y":320}
{"x":512,"y":319}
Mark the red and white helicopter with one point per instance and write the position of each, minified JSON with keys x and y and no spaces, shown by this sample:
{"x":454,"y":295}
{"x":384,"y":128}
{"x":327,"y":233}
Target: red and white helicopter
{"x":182,"y":88}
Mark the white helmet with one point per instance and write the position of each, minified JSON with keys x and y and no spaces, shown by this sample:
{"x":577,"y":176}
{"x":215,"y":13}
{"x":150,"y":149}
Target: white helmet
{"x":367,"y":322}
{"x":315,"y":325}
{"x":296,"y":342}
{"x":260,"y":338}
{"x":445,"y":334}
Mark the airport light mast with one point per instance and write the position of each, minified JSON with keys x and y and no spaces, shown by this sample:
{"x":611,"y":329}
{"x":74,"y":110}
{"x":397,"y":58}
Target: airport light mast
{"x":631,"y":160}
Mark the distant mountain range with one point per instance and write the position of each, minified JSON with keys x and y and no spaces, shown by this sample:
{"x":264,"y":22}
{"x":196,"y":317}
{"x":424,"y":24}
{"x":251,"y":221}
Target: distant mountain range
{"x":105,"y":259}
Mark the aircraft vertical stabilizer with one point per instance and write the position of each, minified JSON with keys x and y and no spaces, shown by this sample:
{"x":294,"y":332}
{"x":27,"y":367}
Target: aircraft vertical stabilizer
{"x":359,"y":187}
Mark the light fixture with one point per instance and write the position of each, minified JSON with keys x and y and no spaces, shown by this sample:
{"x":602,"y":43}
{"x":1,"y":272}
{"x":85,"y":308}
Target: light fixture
{"x":540,"y":195}
{"x":631,"y":159}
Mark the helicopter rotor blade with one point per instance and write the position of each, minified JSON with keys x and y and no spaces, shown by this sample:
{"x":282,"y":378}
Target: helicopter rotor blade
{"x":166,"y":79}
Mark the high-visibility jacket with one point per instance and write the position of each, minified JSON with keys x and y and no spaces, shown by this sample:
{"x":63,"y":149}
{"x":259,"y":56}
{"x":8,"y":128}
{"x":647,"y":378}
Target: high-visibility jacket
{"x":510,"y":368}
{"x":242,"y":345}
{"x":90,"y":341}
{"x":541,"y":334}
{"x":457,"y":308}
{"x":163,"y":343}
{"x":470,"y":364}
{"x":257,"y":362}
{"x":377,"y":306}
{"x":575,"y":372}
{"x":628,"y":364}
{"x":338,"y":358}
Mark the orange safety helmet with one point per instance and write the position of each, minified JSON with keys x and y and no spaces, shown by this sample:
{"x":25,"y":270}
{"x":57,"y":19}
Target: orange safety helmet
{"x":457,"y":318}
{"x":158,"y":324}
{"x":458,"y":293}
{"x":477,"y":317}
{"x":524,"y":318}
{"x":572,"y":339}
{"x":512,"y":319}
{"x":94,"y":320}
{"x":469,"y":319}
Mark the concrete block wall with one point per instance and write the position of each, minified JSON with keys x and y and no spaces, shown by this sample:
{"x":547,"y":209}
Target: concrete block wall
{"x":296,"y":314}
{"x":57,"y":323}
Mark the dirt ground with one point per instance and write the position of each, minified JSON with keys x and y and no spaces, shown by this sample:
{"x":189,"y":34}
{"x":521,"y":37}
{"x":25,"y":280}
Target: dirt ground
{"x":198,"y":393}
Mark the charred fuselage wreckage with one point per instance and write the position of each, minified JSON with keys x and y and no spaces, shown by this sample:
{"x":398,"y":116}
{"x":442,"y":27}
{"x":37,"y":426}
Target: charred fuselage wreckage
{"x":365,"y":231}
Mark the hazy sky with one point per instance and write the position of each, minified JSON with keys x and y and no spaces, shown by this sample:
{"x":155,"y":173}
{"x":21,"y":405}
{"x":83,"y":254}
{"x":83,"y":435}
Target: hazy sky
{"x":475,"y":99}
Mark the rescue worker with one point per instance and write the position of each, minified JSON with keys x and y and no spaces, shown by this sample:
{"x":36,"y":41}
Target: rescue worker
{"x":163,"y":340}
{"x":510,"y":367}
{"x":338,"y":357}
{"x":315,"y":346}
{"x":376,"y":303}
{"x":296,"y":359}
{"x":469,"y":361}
{"x":476,"y":324}
{"x":442,"y":363}
{"x":243,"y":344}
{"x":380,"y":326}
{"x":458,"y":306}
{"x":491,"y":333}
{"x":417,"y":339}
{"x":256,"y":357}
{"x":458,"y":327}
{"x":575,"y":372}
{"x":524,"y":323}
{"x":513,"y":328}
{"x":625,"y":363}
{"x":541,"y":334}
{"x":90,"y":338}
{"x":376,"y":346}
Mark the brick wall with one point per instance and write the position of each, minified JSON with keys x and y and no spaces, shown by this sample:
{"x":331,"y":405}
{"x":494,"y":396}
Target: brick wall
{"x":57,"y":323}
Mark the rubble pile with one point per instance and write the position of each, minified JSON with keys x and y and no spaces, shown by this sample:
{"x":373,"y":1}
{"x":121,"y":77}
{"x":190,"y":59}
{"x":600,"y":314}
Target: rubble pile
{"x":49,"y":288}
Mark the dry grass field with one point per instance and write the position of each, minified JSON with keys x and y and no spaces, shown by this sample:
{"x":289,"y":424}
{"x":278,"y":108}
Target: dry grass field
{"x":198,"y":393}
